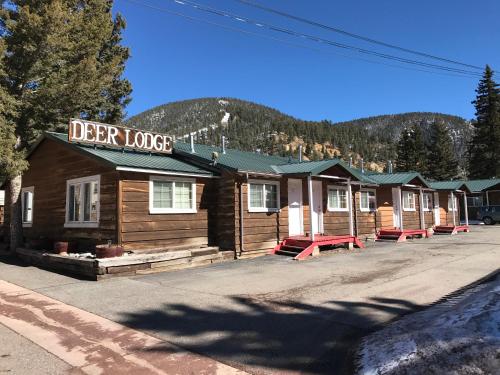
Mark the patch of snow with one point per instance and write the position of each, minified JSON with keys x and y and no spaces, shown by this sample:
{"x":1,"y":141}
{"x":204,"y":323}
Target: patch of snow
{"x":461,"y":335}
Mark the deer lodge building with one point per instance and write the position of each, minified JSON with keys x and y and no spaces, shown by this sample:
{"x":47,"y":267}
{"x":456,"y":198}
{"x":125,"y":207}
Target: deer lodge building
{"x":105,"y":184}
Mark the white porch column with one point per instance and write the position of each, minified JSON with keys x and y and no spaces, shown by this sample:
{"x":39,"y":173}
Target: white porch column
{"x":310,"y":195}
{"x":349,"y":206}
{"x":400,"y":201}
{"x":466,"y":212}
{"x":453,"y":208}
{"x":422,"y":216}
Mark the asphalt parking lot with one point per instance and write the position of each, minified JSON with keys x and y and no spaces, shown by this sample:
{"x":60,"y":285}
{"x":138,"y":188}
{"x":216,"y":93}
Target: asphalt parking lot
{"x":276,"y":315}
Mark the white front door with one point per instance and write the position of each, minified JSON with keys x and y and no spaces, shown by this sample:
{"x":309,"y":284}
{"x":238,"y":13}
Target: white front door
{"x":317,"y":213}
{"x":396,"y":207}
{"x":437,"y":215}
{"x":295,"y":221}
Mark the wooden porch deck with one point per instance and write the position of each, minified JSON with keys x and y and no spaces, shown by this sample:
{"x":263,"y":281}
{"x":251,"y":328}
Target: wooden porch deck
{"x":451,"y":229}
{"x":300,"y":247}
{"x":400,"y":235}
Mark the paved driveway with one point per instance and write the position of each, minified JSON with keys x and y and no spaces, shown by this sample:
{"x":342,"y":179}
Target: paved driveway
{"x":273,"y":314}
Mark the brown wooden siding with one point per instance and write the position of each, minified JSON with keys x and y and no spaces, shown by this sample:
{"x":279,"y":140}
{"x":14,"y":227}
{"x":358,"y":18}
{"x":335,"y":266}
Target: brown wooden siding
{"x":445,"y":214}
{"x":141,"y":230}
{"x":262,"y":230}
{"x":51,"y":165}
{"x":365,"y":222}
{"x":411,"y":219}
{"x":385,"y":211}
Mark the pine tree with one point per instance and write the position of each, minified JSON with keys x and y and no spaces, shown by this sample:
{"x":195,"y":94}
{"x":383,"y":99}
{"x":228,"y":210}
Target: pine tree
{"x":63,"y":59}
{"x":484,"y":153}
{"x":442,"y":164}
{"x":411,"y":150}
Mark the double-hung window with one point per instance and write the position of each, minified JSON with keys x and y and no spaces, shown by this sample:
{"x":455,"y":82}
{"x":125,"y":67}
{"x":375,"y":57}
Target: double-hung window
{"x":427,"y":200}
{"x":82,"y":202}
{"x":474,"y":200}
{"x":27,"y":205}
{"x":452,"y":204}
{"x":263,"y":196}
{"x":368,"y":201}
{"x":170,"y":195}
{"x":408,"y":201}
{"x":337,"y":198}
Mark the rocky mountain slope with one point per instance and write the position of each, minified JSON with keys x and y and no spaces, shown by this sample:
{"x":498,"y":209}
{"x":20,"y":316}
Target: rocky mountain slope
{"x":254,"y":127}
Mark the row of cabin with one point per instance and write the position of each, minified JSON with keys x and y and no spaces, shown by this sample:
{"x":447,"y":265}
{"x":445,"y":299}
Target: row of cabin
{"x":204,"y":196}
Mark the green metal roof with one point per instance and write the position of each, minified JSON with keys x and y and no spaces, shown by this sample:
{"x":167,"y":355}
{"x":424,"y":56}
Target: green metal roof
{"x":476,"y":186}
{"x":399,"y":178}
{"x":131,"y":158}
{"x":448,"y":185}
{"x":239,"y":161}
{"x":317,"y":167}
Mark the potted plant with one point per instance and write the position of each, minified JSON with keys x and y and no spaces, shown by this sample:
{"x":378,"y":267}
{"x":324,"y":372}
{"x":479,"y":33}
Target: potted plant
{"x":61,"y":247}
{"x":108,"y":251}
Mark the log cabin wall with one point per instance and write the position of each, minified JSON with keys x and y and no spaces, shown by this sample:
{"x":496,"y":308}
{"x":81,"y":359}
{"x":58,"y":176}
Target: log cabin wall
{"x":334,"y":222}
{"x":226,"y":216}
{"x":446,"y":214}
{"x":411,"y":219}
{"x":262,"y":231}
{"x":385,"y":210}
{"x":142,"y":230}
{"x":365,"y":222}
{"x":49,"y":198}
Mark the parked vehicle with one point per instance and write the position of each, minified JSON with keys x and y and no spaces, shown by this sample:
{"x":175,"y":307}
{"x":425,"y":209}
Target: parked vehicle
{"x":489,"y":214}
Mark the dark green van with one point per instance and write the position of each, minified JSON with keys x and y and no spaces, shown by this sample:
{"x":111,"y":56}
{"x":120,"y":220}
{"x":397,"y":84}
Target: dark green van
{"x":489,"y":214}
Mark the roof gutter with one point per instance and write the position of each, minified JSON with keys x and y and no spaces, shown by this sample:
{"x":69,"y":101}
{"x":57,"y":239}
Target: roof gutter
{"x":168,"y":173}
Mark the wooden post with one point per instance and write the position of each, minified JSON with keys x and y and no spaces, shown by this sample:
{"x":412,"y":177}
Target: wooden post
{"x":453,"y":208}
{"x":487,"y":199}
{"x":400,"y":201}
{"x":310,"y":196}
{"x":349,"y":206}
{"x":422,"y":216}
{"x":119,"y":209}
{"x":466,"y":212}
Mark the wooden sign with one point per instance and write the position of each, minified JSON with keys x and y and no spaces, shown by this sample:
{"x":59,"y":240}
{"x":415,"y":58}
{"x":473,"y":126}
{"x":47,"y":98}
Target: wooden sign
{"x":83,"y":131}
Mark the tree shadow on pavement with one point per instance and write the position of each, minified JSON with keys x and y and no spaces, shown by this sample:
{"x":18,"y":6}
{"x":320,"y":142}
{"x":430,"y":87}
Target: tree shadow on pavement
{"x":268,"y":336}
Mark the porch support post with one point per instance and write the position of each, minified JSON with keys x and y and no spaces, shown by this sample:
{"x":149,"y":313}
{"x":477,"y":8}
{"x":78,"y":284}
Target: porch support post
{"x":421,"y":202}
{"x":466,"y":212}
{"x":453,"y":208}
{"x":310,"y":195}
{"x":349,"y":206}
{"x":487,"y":198}
{"x":400,"y":201}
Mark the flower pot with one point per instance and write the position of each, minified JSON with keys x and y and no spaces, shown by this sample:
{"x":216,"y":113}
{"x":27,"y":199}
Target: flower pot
{"x":61,"y":248}
{"x":108,"y":251}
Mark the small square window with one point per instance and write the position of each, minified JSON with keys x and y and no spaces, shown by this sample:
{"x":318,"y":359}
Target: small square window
{"x":368,"y":201}
{"x":263,"y":196}
{"x":169,"y":195}
{"x":82,"y":202}
{"x":337,"y":198}
{"x":408,"y":201}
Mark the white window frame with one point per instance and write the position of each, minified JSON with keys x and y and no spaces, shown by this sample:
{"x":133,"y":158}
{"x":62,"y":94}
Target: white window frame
{"x":31,"y":190}
{"x":368,"y":209}
{"x":406,"y":193}
{"x":427,"y":201}
{"x":156,"y":210}
{"x":81,"y":223}
{"x":474,"y":199}
{"x":337,"y":209}
{"x":263,"y":182}
{"x":450,"y":208}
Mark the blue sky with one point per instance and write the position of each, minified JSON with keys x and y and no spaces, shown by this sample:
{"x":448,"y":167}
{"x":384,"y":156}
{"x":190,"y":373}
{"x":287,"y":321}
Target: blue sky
{"x":175,"y":59}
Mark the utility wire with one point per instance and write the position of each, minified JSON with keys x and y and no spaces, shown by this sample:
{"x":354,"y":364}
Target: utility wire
{"x":317,"y":39}
{"x":191,"y":18}
{"x":352,"y":35}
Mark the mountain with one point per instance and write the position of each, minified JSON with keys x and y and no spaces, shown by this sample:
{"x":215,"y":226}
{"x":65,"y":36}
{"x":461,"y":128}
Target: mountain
{"x":254,"y":127}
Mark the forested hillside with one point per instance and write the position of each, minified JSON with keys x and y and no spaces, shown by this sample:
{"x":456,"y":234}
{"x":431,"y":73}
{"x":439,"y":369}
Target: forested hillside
{"x":254,"y":127}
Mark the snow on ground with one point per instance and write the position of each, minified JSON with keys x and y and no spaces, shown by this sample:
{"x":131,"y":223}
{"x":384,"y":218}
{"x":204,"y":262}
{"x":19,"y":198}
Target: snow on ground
{"x":459,"y":336}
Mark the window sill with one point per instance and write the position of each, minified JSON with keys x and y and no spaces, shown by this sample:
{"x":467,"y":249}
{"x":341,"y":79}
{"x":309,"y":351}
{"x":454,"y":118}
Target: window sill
{"x":27,"y":225}
{"x":159,"y":211}
{"x":338,"y":209}
{"x":263,"y":210}
{"x":409,"y":209}
{"x":81,"y":225}
{"x":367,"y":210}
